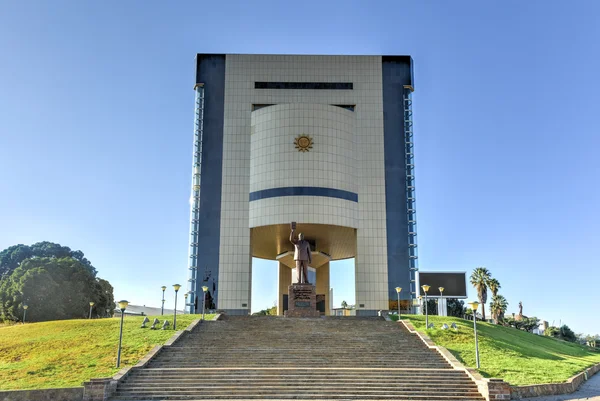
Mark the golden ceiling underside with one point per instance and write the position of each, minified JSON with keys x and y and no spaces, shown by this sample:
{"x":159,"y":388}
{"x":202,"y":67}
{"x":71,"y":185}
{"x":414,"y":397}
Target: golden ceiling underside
{"x":337,"y":241}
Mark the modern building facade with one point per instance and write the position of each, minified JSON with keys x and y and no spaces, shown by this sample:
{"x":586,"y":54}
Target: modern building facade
{"x":325,"y":141}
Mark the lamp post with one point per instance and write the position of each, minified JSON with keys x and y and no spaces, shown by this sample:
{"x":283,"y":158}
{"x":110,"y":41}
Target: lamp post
{"x":398,"y":291}
{"x":162,"y":308}
{"x":176,"y":287}
{"x":425,"y":289}
{"x":474,"y":305}
{"x":204,"y":289}
{"x":91,"y":306}
{"x":444,"y":309}
{"x":122,"y":305}
{"x":25,"y":307}
{"x":186,"y":303}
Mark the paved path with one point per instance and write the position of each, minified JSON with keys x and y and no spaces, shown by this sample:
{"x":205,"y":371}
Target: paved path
{"x":589,"y":390}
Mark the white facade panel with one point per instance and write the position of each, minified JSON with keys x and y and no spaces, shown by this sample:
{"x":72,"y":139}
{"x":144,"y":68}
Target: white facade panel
{"x":367,"y":156}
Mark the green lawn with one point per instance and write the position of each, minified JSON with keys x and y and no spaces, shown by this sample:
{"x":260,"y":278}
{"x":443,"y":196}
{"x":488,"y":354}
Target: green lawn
{"x":66,"y":353}
{"x":518,"y":357}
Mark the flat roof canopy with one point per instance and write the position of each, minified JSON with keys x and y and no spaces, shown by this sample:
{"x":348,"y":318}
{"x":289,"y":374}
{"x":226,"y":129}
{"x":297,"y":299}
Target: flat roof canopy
{"x":336,"y":241}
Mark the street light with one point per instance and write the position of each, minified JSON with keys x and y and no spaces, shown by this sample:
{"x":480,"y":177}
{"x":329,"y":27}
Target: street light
{"x":162,"y":308}
{"x":398,"y":290}
{"x":204,"y":289}
{"x":122,"y":305}
{"x":186,"y":297}
{"x":91,"y":306}
{"x":444,"y":309}
{"x":425,"y":289}
{"x":25,"y":307}
{"x":176,"y":287}
{"x":474,"y":305}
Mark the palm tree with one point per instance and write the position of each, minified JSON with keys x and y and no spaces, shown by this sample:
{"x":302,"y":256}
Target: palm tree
{"x":494,"y":286}
{"x":480,"y":279}
{"x":344,"y":304}
{"x":498,"y":307}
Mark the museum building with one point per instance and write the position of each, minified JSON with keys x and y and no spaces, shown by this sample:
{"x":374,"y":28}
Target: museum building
{"x":324,"y":141}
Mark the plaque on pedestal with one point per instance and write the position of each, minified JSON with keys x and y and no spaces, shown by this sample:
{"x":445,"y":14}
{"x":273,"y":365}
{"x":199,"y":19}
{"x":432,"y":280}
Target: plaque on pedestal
{"x":302,"y":301}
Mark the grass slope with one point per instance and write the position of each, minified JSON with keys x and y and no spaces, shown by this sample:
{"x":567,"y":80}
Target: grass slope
{"x":66,"y":353}
{"x":518,"y":357}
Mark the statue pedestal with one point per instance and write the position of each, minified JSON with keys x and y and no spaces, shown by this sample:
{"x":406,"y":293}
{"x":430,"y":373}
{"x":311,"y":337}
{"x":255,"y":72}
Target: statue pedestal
{"x":302,"y":301}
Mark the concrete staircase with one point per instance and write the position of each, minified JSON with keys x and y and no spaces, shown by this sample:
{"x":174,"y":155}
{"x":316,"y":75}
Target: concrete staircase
{"x":244,"y":358}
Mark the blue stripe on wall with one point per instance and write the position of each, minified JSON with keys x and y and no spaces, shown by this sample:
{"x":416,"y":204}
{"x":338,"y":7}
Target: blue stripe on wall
{"x":303,"y":191}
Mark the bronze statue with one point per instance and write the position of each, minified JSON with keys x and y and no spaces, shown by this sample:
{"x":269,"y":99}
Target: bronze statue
{"x":520,"y":308}
{"x":302,"y":255}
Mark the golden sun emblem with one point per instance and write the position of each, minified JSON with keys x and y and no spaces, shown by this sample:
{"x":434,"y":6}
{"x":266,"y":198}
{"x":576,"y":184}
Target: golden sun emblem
{"x":303,"y":143}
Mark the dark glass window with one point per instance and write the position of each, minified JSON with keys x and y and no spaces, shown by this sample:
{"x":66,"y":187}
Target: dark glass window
{"x":346,"y":106}
{"x":260,"y":106}
{"x":303,"y":85}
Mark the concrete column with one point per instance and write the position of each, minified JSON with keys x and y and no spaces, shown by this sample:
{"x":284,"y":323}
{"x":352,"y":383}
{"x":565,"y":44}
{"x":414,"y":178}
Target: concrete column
{"x":323,"y":285}
{"x":442,"y":309}
{"x":284,"y":278}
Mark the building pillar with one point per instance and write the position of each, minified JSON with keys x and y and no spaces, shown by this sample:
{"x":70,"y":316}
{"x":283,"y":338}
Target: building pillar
{"x":442,"y":308}
{"x":284,"y":279}
{"x":323,"y":285}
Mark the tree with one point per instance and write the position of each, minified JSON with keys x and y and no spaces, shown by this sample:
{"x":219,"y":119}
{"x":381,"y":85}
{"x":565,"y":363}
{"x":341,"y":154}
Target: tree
{"x":494,"y":286}
{"x":567,"y":334}
{"x":498,"y":307}
{"x":13,"y":256}
{"x":431,"y":307}
{"x":526,"y":324}
{"x":479,"y":279}
{"x":563,"y":332}
{"x":344,"y":304}
{"x":54,"y":288}
{"x":455,"y":307}
{"x":272,"y":311}
{"x":530,"y":323}
{"x":552,"y":331}
{"x":103,"y":292}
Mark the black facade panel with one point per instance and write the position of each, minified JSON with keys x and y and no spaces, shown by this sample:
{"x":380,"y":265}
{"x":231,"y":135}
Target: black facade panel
{"x":304,"y":85}
{"x":210,"y":70}
{"x":455,"y":284}
{"x":405,"y":60}
{"x":396,"y":73}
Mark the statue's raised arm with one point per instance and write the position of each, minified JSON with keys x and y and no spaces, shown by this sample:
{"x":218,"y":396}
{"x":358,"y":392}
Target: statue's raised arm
{"x":292,"y":239}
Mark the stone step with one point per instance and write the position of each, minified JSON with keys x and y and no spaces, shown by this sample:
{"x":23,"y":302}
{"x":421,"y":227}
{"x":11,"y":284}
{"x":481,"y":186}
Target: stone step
{"x":301,"y":397}
{"x":276,"y":356}
{"x":278,"y":395}
{"x":296,"y":372}
{"x":164,"y":387}
{"x":238,"y":375}
{"x":282,"y":365}
{"x":292,"y":372}
{"x":304,"y":391}
{"x":269,"y":358}
{"x":299,"y":380}
{"x":293,"y":351}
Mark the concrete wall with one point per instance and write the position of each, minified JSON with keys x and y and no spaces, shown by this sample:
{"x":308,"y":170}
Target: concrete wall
{"x":51,"y":394}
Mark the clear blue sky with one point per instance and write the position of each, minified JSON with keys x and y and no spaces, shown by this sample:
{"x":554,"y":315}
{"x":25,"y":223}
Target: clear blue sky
{"x":96,"y":108}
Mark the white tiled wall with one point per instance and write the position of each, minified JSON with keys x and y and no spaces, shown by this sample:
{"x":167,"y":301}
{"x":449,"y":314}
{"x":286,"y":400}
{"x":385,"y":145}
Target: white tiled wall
{"x":367,"y":127}
{"x":275,"y":162}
